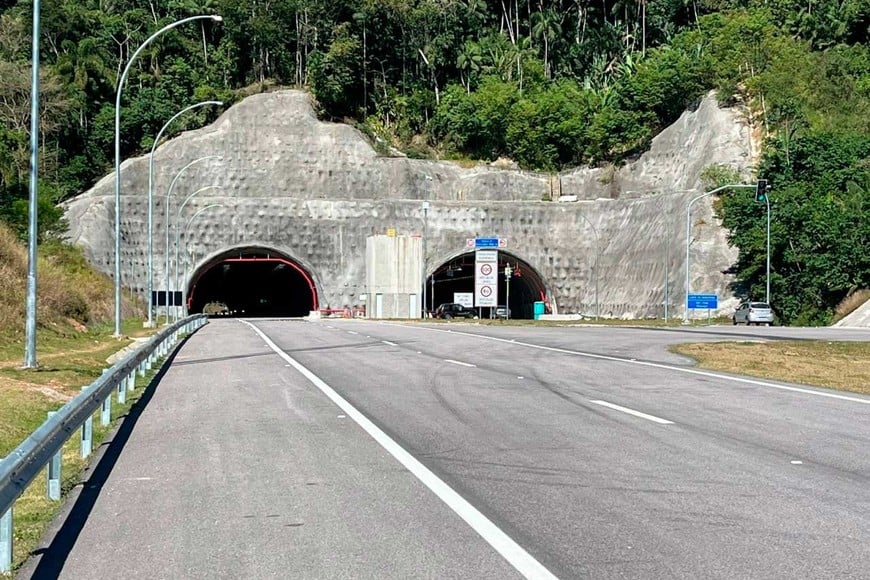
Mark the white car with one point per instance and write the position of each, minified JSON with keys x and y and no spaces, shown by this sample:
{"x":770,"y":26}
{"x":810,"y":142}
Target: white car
{"x":753,"y":313}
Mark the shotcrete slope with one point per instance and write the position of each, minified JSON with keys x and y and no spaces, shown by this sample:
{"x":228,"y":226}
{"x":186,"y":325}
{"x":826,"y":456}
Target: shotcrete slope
{"x":315,"y":190}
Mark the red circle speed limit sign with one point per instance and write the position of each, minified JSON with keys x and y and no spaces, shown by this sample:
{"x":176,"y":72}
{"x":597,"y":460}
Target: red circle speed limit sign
{"x":486,"y":269}
{"x":486,"y":291}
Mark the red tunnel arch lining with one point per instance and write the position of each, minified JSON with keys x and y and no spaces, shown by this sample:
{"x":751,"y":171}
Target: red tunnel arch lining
{"x":290,"y":263}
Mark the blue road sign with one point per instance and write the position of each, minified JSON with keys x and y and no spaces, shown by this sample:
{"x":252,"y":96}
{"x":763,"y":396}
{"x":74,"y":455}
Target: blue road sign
{"x":485,"y":242}
{"x":702,"y":301}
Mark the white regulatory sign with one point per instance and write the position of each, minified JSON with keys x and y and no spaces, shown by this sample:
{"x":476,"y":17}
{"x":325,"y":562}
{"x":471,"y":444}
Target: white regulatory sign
{"x":464,"y":298}
{"x":486,"y":278}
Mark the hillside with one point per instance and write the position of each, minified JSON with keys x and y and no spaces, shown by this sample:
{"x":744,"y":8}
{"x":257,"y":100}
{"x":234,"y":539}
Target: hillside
{"x":71,"y":296}
{"x":551,"y":85}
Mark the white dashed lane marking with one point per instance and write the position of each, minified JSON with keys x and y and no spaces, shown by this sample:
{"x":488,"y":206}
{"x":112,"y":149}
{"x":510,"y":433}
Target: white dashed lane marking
{"x":460,"y":363}
{"x":652,"y":418}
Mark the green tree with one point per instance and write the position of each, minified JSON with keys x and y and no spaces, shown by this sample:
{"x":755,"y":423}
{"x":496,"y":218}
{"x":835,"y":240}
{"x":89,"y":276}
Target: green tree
{"x":820,"y":203}
{"x":335,"y":74}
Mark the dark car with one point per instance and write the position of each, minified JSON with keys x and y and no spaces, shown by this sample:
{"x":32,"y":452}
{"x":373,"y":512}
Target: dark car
{"x":454,"y":310}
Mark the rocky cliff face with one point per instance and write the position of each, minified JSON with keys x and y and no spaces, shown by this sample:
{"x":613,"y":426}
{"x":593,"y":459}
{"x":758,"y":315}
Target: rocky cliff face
{"x":315,"y":190}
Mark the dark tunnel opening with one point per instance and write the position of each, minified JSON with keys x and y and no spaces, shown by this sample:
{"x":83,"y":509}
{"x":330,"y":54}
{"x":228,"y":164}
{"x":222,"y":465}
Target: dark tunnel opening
{"x":253,"y":284}
{"x":457,"y":276}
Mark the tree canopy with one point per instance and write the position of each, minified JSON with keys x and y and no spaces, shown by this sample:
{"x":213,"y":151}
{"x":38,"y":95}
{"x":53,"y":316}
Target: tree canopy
{"x":551,"y":84}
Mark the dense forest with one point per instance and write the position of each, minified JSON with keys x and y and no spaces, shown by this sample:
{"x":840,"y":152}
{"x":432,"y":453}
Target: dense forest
{"x":550,"y":84}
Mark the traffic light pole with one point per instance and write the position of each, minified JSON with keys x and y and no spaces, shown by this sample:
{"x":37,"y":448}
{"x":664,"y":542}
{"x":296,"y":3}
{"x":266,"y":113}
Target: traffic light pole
{"x":424,"y":309}
{"x":762,"y":195}
{"x":767,"y":289}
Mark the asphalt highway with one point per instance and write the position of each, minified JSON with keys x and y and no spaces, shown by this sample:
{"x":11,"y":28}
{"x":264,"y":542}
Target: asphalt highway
{"x":349,"y":449}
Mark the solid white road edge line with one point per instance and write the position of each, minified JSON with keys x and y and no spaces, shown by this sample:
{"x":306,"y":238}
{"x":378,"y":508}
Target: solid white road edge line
{"x":459,"y":362}
{"x":516,"y":556}
{"x":633,"y":412}
{"x":653,"y":365}
{"x":389,"y":343}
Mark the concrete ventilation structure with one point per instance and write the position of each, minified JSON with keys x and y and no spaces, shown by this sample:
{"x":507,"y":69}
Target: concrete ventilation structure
{"x":394,"y":274}
{"x":313,"y":192}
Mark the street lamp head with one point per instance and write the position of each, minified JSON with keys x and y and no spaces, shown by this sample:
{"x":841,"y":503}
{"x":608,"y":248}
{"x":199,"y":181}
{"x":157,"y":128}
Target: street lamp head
{"x":217,"y":18}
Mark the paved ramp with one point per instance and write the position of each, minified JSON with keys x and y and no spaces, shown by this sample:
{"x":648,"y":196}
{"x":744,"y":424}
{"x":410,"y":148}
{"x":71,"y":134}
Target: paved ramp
{"x":276,"y":451}
{"x":238,"y":468}
{"x":860,"y":318}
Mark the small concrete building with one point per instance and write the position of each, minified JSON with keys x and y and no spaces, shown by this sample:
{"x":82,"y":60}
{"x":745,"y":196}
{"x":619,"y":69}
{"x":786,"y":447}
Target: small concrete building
{"x":394,"y":276}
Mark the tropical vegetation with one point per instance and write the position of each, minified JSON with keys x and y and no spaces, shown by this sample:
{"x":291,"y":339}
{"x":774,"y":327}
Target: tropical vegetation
{"x":550,"y":84}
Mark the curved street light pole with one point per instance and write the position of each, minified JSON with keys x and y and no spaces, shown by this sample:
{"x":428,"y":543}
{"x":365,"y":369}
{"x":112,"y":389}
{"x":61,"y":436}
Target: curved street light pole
{"x":597,"y":255}
{"x":178,"y":217}
{"x":118,"y":156}
{"x":33,"y":208}
{"x":151,"y":202}
{"x":168,"y":220}
{"x":186,"y":261}
{"x":689,"y":235}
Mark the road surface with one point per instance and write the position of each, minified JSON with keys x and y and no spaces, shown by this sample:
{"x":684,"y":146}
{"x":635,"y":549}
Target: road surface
{"x":349,"y":449}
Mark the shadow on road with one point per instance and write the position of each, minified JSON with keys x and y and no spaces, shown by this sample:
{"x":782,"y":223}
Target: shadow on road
{"x":48,"y":561}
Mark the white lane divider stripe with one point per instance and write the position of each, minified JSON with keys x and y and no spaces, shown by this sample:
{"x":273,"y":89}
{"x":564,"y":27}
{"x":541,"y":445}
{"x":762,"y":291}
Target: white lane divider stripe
{"x":352,"y":332}
{"x":389,"y":343}
{"x":633,"y":412}
{"x":459,"y":362}
{"x":515,"y":554}
{"x":688,"y":371}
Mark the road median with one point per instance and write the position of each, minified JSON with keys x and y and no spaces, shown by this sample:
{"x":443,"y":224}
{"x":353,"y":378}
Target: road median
{"x":837,"y":365}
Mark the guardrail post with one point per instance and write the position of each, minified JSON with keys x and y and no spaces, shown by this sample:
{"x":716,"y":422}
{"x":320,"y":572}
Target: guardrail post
{"x":87,"y":435}
{"x":106,"y":411}
{"x":131,"y":382}
{"x":122,"y":391}
{"x":6,"y":542}
{"x":53,"y":476}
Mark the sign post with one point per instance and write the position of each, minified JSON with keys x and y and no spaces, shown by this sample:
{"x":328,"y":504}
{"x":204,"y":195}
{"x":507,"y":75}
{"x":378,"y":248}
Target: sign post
{"x":507,"y":294}
{"x":486,"y":278}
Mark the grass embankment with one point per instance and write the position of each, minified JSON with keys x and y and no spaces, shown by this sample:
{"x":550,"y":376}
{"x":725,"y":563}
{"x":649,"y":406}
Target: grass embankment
{"x":837,"y":365}
{"x":74,"y":339}
{"x":67,"y":364}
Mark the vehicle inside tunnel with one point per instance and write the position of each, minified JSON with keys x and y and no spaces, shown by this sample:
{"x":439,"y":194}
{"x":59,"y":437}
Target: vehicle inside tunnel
{"x":252,"y":282}
{"x":457,"y":276}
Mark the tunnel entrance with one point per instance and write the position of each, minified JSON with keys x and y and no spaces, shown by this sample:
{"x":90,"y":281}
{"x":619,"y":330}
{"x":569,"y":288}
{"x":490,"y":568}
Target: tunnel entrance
{"x":457,"y":275}
{"x":252,"y":282}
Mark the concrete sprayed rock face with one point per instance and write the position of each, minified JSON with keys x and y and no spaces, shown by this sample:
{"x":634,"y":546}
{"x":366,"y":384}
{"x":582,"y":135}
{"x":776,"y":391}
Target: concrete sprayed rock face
{"x":314,"y":191}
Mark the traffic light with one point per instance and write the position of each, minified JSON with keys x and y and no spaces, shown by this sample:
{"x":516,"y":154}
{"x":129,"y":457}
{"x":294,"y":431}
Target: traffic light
{"x":761,"y":191}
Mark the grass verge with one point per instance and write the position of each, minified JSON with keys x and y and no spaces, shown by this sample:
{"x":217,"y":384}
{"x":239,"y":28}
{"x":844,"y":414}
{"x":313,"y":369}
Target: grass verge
{"x":836,"y":365}
{"x":645,"y":322}
{"x":67,"y":363}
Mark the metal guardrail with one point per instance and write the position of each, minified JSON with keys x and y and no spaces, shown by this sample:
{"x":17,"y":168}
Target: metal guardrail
{"x":43,"y":447}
